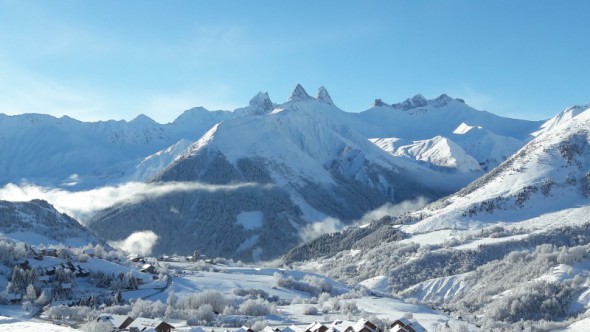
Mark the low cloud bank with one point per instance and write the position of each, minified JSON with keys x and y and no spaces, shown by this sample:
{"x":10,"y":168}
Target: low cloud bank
{"x":331,"y":225}
{"x":140,"y":243}
{"x":317,"y":229}
{"x":393,"y":210}
{"x":83,"y":204}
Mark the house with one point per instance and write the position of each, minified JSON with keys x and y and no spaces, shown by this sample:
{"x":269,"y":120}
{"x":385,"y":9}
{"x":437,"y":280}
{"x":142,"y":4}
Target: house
{"x":50,"y":271}
{"x":316,"y":327}
{"x":14,"y":298}
{"x":49,"y":252}
{"x":90,"y":252}
{"x":270,"y":329}
{"x":23,"y":263}
{"x":44,"y":279}
{"x":291,"y":328}
{"x":142,"y":324}
{"x":363,"y":325}
{"x":148,"y":268}
{"x":197,"y":329}
{"x":244,"y":329}
{"x":118,"y":321}
{"x":81,"y":272}
{"x":135,"y":258}
{"x":406,"y":325}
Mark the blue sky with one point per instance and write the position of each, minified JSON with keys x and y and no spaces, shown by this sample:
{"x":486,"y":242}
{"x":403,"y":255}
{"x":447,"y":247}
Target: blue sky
{"x":98,"y":60}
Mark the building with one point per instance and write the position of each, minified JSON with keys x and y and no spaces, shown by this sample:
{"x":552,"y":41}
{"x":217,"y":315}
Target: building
{"x":118,"y":321}
{"x":406,"y":325}
{"x":142,"y":324}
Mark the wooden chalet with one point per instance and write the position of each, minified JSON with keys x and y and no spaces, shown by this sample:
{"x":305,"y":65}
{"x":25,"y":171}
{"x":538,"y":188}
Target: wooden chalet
{"x":118,"y":321}
{"x":406,"y":325}
{"x":142,"y":324}
{"x":244,"y":329}
{"x":316,"y":327}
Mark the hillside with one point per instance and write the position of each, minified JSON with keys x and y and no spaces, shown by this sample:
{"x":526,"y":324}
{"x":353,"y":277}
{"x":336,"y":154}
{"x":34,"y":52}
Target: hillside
{"x":298,"y":164}
{"x":514,"y":244}
{"x":37,"y":222}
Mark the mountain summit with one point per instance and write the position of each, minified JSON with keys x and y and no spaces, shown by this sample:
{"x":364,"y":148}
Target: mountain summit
{"x":324,"y":96}
{"x":299,"y":94}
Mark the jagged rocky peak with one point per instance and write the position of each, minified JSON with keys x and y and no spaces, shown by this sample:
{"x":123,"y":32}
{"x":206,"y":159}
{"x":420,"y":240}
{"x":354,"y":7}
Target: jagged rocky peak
{"x":261,"y":101}
{"x":299,"y":94}
{"x":379,"y":103}
{"x":442,"y":100}
{"x":324,"y":96}
{"x":416,"y":101}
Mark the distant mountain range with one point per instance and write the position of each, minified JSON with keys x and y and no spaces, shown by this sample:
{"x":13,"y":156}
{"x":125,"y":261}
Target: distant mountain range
{"x":309,"y":161}
{"x":289,"y":165}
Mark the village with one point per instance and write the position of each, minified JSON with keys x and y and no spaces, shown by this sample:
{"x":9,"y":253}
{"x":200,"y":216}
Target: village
{"x":126,"y":323}
{"x":80,"y":286}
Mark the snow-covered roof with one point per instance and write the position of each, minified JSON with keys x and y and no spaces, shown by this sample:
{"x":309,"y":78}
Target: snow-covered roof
{"x":197,"y":329}
{"x":407,"y":323}
{"x":144,"y":323}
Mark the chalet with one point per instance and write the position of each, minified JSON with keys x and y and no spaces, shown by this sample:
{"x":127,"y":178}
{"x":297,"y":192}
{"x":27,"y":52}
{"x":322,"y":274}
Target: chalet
{"x":164,"y":258}
{"x":271,"y":329}
{"x":135,"y":258}
{"x":36,"y":256}
{"x":363,"y":325}
{"x":406,"y":325}
{"x":291,"y":328}
{"x":118,"y":321}
{"x":90,"y":252}
{"x":316,"y":327}
{"x":148,"y":268}
{"x":81,"y":272}
{"x":244,"y":329}
{"x":44,"y":279}
{"x":197,"y":329}
{"x":50,"y":270}
{"x":49,"y":252}
{"x":14,"y":298}
{"x":142,"y":324}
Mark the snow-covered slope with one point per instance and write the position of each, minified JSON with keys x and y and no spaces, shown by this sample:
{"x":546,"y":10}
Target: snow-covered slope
{"x":305,"y":154}
{"x":512,"y":247}
{"x":488,"y":148}
{"x":51,"y":151}
{"x":560,"y":118}
{"x":418,"y":119}
{"x":155,"y":163}
{"x":550,"y":173}
{"x":438,"y":151}
{"x":37,"y":222}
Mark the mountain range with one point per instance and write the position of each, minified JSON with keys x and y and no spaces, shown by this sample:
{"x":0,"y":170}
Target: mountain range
{"x":502,"y":248}
{"x":279,"y":168}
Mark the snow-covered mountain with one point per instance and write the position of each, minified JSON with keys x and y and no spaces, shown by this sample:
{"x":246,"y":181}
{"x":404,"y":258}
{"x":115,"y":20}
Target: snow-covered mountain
{"x":419,"y":118}
{"x":44,"y":150}
{"x":51,"y":151}
{"x":314,"y":159}
{"x":438,"y":151}
{"x":37,"y":222}
{"x":511,"y":246}
{"x":302,"y":154}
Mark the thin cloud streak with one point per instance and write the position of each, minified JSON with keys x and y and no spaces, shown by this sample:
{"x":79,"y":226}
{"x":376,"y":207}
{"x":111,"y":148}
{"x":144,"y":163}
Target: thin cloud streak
{"x":83,"y":204}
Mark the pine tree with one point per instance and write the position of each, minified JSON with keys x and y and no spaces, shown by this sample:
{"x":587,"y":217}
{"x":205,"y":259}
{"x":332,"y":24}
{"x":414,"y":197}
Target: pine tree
{"x":31,"y":293}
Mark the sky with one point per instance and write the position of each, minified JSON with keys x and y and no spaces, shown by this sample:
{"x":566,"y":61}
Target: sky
{"x":100,"y":60}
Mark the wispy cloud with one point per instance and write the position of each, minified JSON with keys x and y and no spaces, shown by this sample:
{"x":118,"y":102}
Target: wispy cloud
{"x":393,"y":210}
{"x":140,"y":243}
{"x":83,"y":204}
{"x":331,"y":225}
